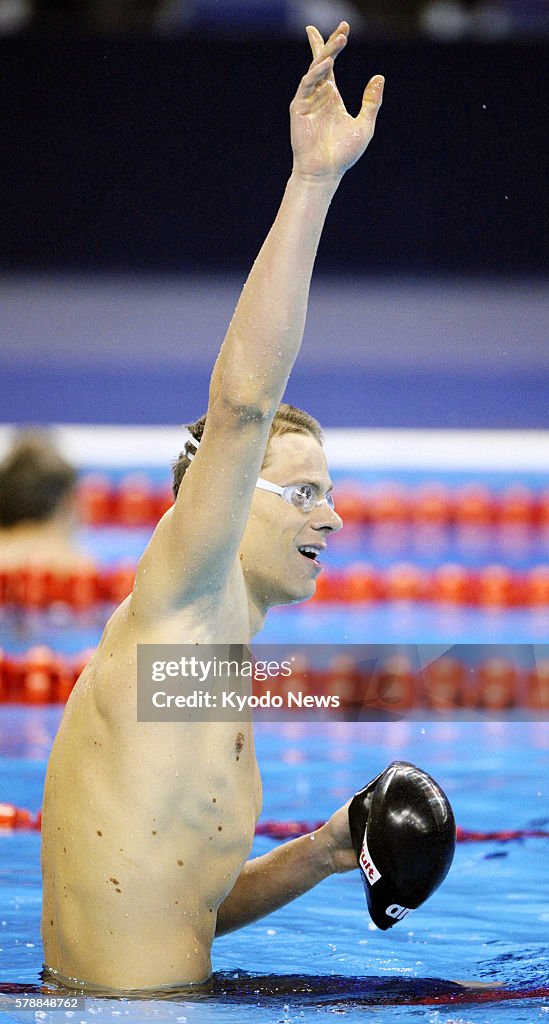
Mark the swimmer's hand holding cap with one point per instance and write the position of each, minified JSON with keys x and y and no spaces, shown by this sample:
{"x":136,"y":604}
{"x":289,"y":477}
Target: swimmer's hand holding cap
{"x":404,"y":835}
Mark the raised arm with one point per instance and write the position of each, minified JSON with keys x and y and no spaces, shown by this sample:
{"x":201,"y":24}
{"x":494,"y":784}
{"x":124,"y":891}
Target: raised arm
{"x":265,"y":333}
{"x":267,"y":328}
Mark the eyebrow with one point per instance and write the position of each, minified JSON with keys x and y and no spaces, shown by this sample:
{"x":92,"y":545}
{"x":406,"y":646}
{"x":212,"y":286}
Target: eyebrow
{"x":312,"y":483}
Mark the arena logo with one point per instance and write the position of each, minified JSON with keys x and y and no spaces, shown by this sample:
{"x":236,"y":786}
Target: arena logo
{"x":397,"y":912}
{"x":367,"y":864}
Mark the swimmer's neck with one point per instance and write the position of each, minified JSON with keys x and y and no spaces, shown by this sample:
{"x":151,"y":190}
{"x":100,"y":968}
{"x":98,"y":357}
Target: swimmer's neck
{"x":60,"y":526}
{"x":257,"y":612}
{"x":257,"y":615}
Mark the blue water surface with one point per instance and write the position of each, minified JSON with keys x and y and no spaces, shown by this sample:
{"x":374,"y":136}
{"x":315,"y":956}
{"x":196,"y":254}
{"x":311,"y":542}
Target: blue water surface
{"x":320,"y":956}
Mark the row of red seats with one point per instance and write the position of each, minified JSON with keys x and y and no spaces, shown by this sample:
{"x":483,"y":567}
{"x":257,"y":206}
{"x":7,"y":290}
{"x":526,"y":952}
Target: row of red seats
{"x":494,"y":586}
{"x":41,"y":676}
{"x":136,"y":501}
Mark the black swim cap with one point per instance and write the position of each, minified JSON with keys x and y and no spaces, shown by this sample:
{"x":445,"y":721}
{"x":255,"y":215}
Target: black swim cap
{"x":404,"y":835}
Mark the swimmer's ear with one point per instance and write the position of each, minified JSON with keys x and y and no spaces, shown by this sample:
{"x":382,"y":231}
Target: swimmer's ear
{"x":404,"y":836}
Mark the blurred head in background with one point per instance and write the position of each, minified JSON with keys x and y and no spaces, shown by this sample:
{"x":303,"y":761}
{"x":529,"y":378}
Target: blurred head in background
{"x":36,"y":482}
{"x":38,"y":504}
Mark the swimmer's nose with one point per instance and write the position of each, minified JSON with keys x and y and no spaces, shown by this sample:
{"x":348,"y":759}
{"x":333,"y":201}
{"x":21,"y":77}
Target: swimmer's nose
{"x":326,"y":518}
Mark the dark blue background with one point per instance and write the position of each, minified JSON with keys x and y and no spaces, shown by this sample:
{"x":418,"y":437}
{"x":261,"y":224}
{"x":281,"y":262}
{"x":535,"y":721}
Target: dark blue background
{"x":172,"y":153}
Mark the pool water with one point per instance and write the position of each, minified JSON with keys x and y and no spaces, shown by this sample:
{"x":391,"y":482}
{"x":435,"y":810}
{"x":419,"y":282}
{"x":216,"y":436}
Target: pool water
{"x":319,"y":956}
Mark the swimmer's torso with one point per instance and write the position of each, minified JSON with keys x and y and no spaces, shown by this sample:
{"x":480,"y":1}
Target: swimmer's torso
{"x":146,"y":825}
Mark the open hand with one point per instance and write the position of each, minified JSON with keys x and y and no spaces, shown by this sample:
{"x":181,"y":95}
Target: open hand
{"x":326,"y":140}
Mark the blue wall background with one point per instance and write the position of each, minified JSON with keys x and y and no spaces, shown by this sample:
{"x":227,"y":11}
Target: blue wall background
{"x":140,"y":176}
{"x":377,"y":352}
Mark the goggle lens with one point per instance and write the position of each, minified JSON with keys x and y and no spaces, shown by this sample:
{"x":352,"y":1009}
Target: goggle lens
{"x":303,"y":497}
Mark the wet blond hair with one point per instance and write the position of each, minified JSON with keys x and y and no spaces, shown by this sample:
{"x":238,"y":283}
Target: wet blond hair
{"x":288,"y":419}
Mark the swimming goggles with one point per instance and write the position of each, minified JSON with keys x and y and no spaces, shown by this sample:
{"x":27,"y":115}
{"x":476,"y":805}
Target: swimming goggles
{"x":301,"y":496}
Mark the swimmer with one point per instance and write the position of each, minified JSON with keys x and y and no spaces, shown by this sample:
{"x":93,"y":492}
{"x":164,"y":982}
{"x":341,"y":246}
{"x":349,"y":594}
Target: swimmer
{"x":38,"y":507}
{"x":147,"y":827}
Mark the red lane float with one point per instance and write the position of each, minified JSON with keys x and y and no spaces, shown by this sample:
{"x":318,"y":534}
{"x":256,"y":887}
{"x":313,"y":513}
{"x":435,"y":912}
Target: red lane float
{"x":493,"y":586}
{"x":12,"y":817}
{"x":391,"y":685}
{"x":138,"y":502}
{"x":40,"y":676}
{"x":135,"y":502}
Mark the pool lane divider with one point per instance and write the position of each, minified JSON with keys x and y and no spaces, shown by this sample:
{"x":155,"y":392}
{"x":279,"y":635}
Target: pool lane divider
{"x":395,"y":686}
{"x":136,"y":501}
{"x":449,"y":584}
{"x":14,"y":818}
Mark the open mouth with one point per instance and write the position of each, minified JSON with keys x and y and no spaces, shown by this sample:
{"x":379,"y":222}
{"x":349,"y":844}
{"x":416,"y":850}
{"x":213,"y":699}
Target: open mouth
{"x":310,"y":552}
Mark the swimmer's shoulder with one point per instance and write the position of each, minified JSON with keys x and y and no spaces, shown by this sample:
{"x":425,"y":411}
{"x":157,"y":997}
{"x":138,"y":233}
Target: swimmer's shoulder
{"x":178,"y":573}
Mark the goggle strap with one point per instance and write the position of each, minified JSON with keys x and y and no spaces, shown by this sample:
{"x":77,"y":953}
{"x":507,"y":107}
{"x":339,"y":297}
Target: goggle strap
{"x":263,"y":485}
{"x":192,"y":440}
{"x":266,"y":485}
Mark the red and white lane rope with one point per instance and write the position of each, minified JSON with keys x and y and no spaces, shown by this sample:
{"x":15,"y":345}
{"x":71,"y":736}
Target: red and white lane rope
{"x":19,"y":818}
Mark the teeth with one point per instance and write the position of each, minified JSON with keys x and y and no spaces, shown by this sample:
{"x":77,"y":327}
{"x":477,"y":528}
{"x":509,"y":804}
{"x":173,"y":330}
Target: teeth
{"x":307,"y":549}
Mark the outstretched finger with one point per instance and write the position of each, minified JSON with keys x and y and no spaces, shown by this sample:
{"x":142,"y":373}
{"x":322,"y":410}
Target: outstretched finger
{"x":371,"y":100}
{"x":318,"y":72}
{"x":333,"y":45}
{"x":316,"y":42}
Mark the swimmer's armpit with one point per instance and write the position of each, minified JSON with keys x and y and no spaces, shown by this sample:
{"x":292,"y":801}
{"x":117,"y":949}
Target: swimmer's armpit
{"x":273,"y":880}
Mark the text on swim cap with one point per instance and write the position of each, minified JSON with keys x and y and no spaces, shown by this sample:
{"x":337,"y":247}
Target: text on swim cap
{"x":369,"y":869}
{"x":397,"y":912}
